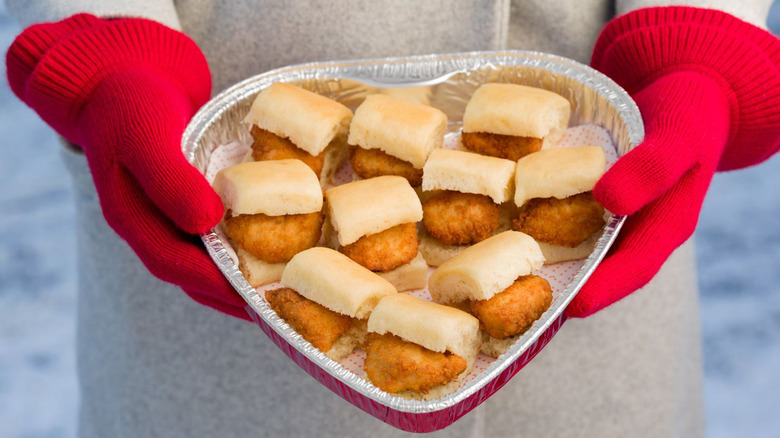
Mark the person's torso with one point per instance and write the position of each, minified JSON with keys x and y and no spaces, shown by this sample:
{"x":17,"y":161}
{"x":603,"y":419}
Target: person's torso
{"x":244,"y":38}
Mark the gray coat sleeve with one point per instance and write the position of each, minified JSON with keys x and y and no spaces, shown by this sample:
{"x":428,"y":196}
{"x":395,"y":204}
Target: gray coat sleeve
{"x":754,"y":12}
{"x":28,"y":12}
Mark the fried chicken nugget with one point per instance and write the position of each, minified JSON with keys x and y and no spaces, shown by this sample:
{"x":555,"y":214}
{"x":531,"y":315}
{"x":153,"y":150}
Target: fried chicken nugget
{"x":275,"y":239}
{"x":369,"y":163}
{"x":563,"y":222}
{"x":457,"y":218}
{"x":514,"y":310}
{"x":386,"y":250}
{"x":395,"y":365}
{"x":316,"y":323}
{"x":269,"y":146}
{"x":502,"y":146}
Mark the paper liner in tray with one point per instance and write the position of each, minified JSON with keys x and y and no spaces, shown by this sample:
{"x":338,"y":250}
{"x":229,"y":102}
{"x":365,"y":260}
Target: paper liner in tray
{"x":602,"y":114}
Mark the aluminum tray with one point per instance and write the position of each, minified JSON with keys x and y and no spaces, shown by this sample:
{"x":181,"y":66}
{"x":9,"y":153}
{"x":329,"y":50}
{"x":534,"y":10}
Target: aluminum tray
{"x":448,"y":81}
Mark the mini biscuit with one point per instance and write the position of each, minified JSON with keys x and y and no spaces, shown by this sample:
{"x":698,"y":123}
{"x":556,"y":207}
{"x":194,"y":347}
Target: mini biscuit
{"x":434,"y":326}
{"x":372,"y":205}
{"x":556,"y":253}
{"x":401,"y":128}
{"x":434,"y":251}
{"x":257,"y":272}
{"x":558,"y":173}
{"x":467,"y":172}
{"x":309,"y":120}
{"x":335,"y":281}
{"x":517,"y":110}
{"x":410,"y":276}
{"x":273,"y":188}
{"x":485,"y":268}
{"x":420,"y":94}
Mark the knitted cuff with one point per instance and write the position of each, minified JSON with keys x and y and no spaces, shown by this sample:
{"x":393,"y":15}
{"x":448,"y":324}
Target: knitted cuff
{"x":642,"y":46}
{"x":66,"y":73}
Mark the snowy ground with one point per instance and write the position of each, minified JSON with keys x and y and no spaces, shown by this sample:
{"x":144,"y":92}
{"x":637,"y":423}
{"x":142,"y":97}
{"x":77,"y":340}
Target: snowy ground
{"x":738,"y":254}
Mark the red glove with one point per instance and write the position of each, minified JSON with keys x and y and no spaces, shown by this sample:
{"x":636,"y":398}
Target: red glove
{"x":708,"y":87}
{"x":124,"y":90}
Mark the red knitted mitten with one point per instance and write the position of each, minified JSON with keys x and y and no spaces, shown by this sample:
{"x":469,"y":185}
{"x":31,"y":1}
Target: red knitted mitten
{"x":708,"y":88}
{"x":124,"y":90}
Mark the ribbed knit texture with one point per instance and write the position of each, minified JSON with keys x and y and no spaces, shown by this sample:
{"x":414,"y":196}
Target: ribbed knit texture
{"x":671,"y":162}
{"x":708,"y":88}
{"x":639,"y":47}
{"x":39,"y":39}
{"x":124,"y":91}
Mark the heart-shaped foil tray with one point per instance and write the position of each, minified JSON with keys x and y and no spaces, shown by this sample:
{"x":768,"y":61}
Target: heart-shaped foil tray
{"x":446,"y":82}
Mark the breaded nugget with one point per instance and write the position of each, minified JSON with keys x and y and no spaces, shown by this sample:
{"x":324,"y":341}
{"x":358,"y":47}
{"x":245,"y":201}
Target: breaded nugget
{"x":269,"y":146}
{"x":395,"y":365}
{"x":386,"y":250}
{"x":514,"y":310}
{"x":275,"y":239}
{"x":460,"y":218}
{"x":563,"y":222}
{"x":316,"y":323}
{"x":369,"y":163}
{"x":501,"y":146}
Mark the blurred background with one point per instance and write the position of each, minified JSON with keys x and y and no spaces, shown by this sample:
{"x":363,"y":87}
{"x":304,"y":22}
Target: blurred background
{"x":738,"y":254}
